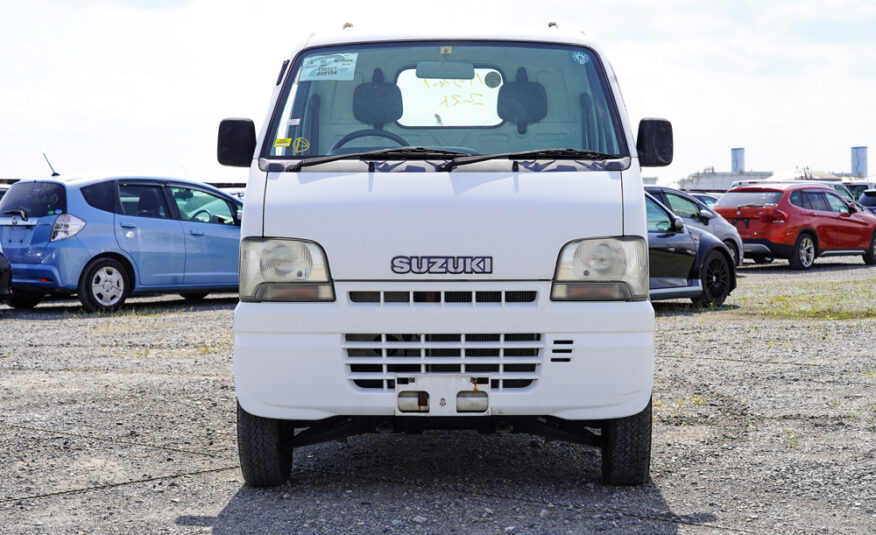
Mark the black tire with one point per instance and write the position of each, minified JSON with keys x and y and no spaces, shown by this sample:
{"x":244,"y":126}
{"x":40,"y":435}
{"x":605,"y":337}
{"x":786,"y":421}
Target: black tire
{"x":715,"y":278}
{"x":265,"y":449}
{"x":733,"y":251}
{"x":805,"y":252}
{"x":870,"y":255}
{"x":626,"y":449}
{"x":104,"y":285}
{"x":194,"y":297}
{"x":23,"y":299}
{"x":762,"y":259}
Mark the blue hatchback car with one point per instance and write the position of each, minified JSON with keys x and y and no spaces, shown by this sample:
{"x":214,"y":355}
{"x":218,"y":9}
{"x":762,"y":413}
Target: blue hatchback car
{"x":107,"y":239}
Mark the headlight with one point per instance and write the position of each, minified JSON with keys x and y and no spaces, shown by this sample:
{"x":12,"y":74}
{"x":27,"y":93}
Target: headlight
{"x":602,"y":269}
{"x":274,"y":269}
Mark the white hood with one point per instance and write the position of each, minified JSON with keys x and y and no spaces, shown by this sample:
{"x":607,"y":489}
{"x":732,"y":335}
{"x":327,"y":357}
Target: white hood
{"x":519,"y":220}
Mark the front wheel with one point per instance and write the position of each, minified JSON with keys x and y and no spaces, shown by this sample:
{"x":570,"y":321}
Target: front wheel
{"x":265,"y":449}
{"x":804,"y":252}
{"x":715,"y":278}
{"x":104,"y":286}
{"x":733,"y":251}
{"x":626,"y":449}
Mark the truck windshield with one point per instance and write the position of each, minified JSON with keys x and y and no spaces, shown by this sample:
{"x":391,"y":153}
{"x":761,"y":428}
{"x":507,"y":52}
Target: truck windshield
{"x":466,"y":97}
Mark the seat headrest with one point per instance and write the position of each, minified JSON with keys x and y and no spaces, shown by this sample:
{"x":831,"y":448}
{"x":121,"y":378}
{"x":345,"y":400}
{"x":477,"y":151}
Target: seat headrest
{"x":149,"y":203}
{"x":377,"y":103}
{"x":522,"y":102}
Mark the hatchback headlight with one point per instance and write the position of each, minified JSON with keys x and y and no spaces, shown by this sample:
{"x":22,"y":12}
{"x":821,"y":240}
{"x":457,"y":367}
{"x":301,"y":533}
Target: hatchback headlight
{"x":602,"y":269}
{"x":273,"y":269}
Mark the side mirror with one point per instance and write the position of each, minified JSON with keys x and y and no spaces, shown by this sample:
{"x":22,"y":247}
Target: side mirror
{"x":239,"y":215}
{"x":705,"y":215}
{"x":677,"y":224}
{"x":654,"y":143}
{"x":237,"y":142}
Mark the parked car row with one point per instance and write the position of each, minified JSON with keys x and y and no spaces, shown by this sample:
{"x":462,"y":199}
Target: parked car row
{"x":107,"y":239}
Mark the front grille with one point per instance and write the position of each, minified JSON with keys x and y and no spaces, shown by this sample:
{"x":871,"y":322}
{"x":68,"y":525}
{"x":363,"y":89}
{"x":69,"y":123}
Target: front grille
{"x":511,"y":360}
{"x":438,"y":297}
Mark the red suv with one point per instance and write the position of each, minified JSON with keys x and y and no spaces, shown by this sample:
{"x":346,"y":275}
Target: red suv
{"x":799,"y":222}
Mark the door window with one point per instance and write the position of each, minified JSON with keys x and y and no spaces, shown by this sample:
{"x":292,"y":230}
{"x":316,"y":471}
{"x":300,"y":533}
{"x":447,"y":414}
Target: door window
{"x":142,"y":201}
{"x":658,"y":219}
{"x":817,"y":201}
{"x":836,"y":204}
{"x":683,"y":207}
{"x":203,"y":207}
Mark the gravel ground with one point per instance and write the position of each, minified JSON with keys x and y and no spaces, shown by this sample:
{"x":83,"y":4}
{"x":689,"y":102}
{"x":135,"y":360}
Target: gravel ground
{"x":764,"y":423}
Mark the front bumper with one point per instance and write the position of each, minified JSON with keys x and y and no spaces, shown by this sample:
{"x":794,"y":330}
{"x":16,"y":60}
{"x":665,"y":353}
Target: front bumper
{"x":590,"y":361}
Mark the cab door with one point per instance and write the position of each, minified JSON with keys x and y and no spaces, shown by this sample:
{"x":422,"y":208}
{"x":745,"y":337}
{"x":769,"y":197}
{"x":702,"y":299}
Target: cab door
{"x":671,"y":253}
{"x":212,"y":236}
{"x":145,"y":230}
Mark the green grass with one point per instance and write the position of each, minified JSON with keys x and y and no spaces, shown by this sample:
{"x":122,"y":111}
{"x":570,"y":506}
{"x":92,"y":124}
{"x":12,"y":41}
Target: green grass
{"x":814,"y":300}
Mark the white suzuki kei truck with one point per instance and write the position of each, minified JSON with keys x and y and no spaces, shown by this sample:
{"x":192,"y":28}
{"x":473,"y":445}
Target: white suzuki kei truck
{"x":444,"y":232}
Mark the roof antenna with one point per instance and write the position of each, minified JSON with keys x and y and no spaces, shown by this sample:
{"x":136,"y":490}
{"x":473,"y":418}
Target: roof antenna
{"x":54,"y":173}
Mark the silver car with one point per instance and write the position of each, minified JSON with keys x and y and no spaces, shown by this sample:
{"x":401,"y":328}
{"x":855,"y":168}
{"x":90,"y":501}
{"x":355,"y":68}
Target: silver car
{"x":697,"y":214}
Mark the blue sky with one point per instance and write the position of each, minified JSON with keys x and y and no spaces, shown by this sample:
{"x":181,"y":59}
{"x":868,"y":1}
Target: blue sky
{"x":138,"y":87}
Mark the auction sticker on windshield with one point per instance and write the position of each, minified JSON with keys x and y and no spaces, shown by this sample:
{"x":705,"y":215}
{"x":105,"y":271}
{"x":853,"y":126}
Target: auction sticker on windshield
{"x":340,"y":66}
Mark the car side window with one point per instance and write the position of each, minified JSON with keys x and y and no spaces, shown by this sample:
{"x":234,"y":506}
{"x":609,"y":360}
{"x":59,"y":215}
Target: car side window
{"x":142,"y":201}
{"x":816,"y":200}
{"x":683,"y":207}
{"x":797,"y":199}
{"x":836,"y":203}
{"x":100,"y":195}
{"x":203,"y":207}
{"x":658,"y":219}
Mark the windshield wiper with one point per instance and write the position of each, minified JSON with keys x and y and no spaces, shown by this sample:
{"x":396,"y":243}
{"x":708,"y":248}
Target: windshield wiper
{"x":538,"y":153}
{"x":399,"y":152}
{"x":16,"y":212}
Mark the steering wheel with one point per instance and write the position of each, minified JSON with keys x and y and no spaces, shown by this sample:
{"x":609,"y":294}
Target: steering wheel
{"x":197,"y":216}
{"x":364,"y":133}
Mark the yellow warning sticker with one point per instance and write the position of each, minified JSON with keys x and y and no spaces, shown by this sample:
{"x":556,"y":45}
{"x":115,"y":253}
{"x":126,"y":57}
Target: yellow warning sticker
{"x":283,"y":142}
{"x":300,"y":145}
